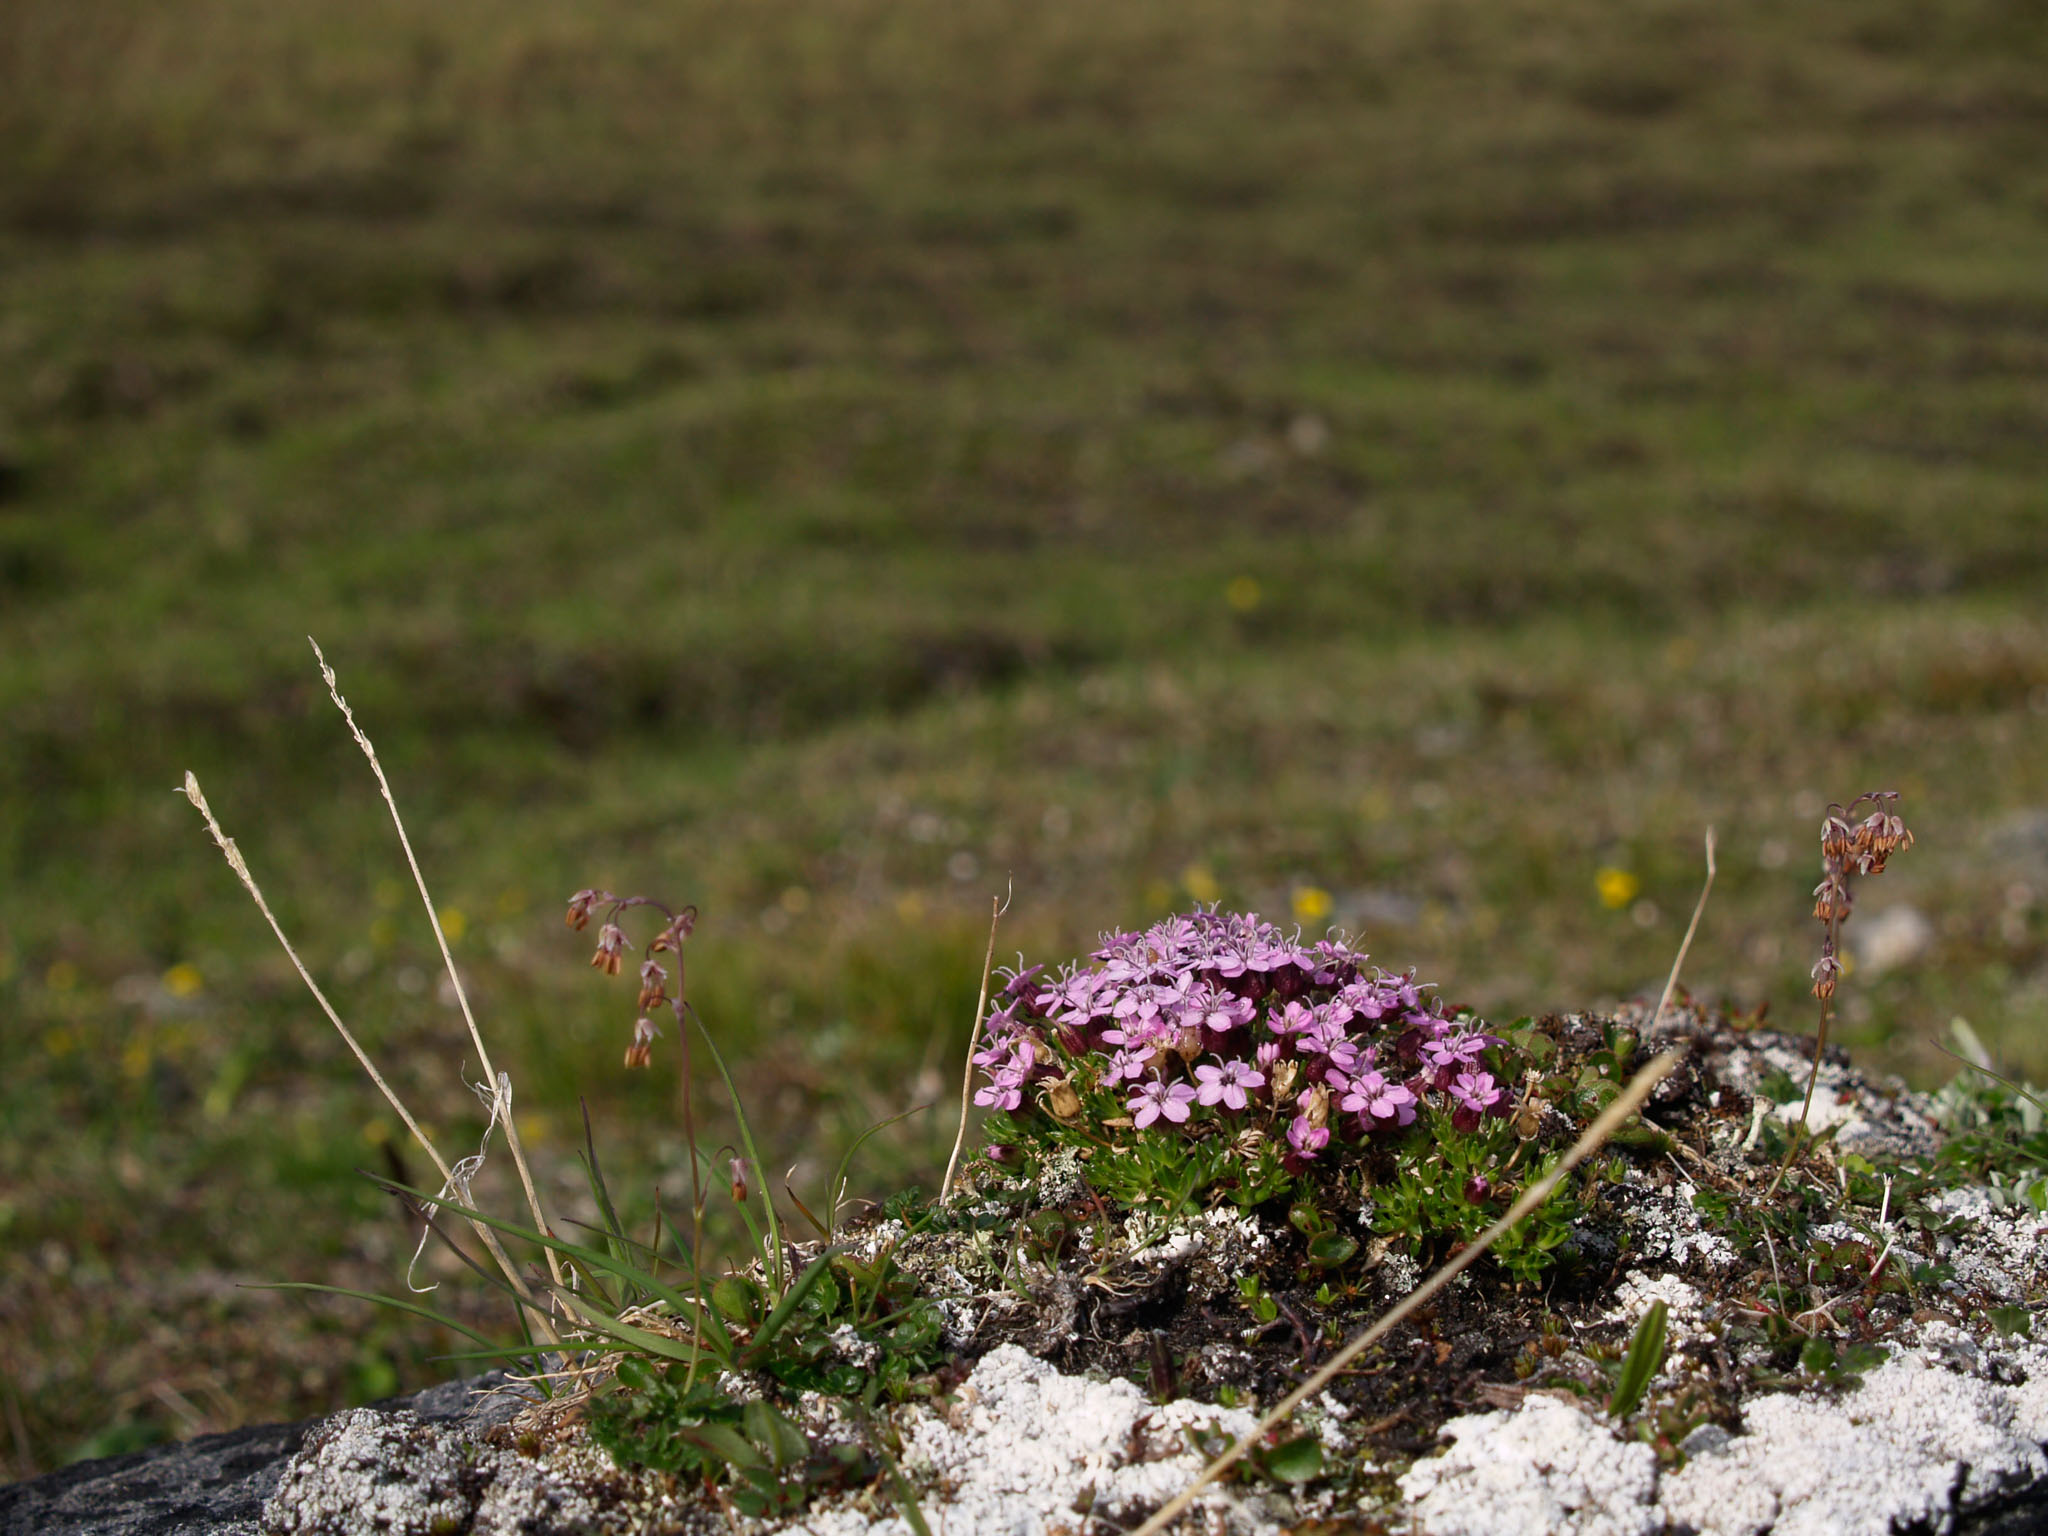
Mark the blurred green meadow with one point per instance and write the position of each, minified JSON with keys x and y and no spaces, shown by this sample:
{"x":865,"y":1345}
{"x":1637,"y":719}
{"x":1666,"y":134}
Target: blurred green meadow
{"x":1412,"y":467}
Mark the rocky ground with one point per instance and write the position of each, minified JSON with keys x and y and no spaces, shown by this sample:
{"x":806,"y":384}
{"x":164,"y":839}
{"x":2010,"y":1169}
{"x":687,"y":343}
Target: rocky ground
{"x":1851,"y":1350}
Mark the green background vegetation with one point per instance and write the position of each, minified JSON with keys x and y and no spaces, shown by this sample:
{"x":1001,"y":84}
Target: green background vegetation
{"x":825,"y":459}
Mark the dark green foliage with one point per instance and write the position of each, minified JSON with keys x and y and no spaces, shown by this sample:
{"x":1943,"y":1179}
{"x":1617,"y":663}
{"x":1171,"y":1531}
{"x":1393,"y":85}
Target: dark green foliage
{"x":655,"y":1420}
{"x":1640,"y":1365}
{"x":857,"y":1331}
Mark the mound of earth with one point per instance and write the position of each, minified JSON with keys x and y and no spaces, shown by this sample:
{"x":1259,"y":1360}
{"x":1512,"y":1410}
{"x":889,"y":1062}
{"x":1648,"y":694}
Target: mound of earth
{"x":1849,"y":1349}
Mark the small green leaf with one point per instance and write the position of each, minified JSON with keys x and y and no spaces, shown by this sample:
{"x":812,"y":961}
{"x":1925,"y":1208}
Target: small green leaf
{"x":783,"y":1441}
{"x":1640,"y":1365}
{"x":2012,"y":1322}
{"x":1298,"y":1461}
{"x":738,"y":1298}
{"x":1331,"y":1249}
{"x":724,"y":1442}
{"x":635,"y":1373}
{"x":1817,"y":1356}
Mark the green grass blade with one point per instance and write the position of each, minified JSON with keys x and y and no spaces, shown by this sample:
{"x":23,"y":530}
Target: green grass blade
{"x":899,"y":1485}
{"x":644,"y":1340}
{"x":1997,"y":1077}
{"x":773,"y":1256}
{"x":396,"y":1303}
{"x":837,"y":1188}
{"x":592,"y":1258}
{"x":1639,"y":1366}
{"x":785,"y":1309}
{"x":615,"y":1230}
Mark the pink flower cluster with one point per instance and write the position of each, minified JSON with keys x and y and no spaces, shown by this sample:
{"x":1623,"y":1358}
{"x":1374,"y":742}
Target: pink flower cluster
{"x":1214,"y":1015}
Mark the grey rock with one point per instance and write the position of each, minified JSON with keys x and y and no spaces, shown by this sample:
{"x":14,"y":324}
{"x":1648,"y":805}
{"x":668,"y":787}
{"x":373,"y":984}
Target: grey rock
{"x":215,"y":1485}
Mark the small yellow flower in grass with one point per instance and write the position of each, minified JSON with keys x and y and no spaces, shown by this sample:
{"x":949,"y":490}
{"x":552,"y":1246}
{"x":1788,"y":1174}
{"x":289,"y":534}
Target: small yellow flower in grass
{"x":59,"y":1042}
{"x":1617,"y":887}
{"x":1243,"y":594}
{"x":910,"y":907}
{"x":183,"y":980}
{"x":1311,"y":903}
{"x":376,"y":1132}
{"x":454,"y":923}
{"x":135,"y":1057}
{"x":1201,"y":883}
{"x":62,"y":976}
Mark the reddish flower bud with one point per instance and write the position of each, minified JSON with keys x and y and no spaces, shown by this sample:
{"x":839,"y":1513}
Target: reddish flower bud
{"x":739,"y":1181}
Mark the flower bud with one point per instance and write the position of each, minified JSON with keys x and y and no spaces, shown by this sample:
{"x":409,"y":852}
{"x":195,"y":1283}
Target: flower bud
{"x":739,"y":1181}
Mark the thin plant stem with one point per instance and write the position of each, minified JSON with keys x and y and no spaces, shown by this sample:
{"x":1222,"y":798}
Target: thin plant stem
{"x":1626,"y":1103}
{"x":1685,"y":944}
{"x":973,"y":1039}
{"x":239,"y":865}
{"x":1820,"y":1044}
{"x":500,"y":1087}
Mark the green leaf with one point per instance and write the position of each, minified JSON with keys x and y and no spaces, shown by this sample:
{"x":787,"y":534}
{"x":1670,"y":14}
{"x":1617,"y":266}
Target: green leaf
{"x":738,"y":1299}
{"x":635,"y":1373}
{"x":1817,"y":1356}
{"x":783,"y":1441}
{"x":786,"y":1308}
{"x":646,"y":1342}
{"x":724,"y":1442}
{"x":1639,"y":1366}
{"x":1298,"y":1461}
{"x":1331,"y":1249}
{"x":2012,"y":1322}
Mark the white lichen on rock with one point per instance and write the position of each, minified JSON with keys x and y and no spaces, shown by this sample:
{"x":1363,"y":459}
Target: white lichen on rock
{"x":365,"y":1471}
{"x":1913,"y":1446}
{"x":1543,"y":1467}
{"x":1027,"y":1450}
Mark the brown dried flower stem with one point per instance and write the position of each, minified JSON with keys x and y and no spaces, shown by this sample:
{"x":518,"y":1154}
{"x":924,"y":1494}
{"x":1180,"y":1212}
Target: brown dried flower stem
{"x":500,"y":1087}
{"x":240,"y":866}
{"x":973,"y":1038}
